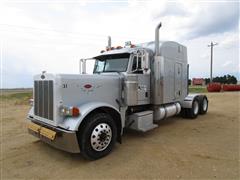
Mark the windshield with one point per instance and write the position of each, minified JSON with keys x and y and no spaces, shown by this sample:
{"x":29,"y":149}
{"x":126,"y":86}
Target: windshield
{"x":111,"y":63}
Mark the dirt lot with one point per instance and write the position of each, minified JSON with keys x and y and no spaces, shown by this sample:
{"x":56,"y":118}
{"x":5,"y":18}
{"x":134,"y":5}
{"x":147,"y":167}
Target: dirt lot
{"x":207,"y":147}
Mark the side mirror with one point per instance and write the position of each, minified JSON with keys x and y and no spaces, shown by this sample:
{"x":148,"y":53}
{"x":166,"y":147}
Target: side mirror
{"x":82,"y":66}
{"x":142,"y":62}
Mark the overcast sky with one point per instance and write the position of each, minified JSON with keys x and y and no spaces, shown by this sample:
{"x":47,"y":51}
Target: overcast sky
{"x":54,"y":35}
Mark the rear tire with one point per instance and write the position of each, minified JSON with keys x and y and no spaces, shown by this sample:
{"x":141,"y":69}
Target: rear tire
{"x":203,"y":106}
{"x":193,"y":112}
{"x":98,"y":136}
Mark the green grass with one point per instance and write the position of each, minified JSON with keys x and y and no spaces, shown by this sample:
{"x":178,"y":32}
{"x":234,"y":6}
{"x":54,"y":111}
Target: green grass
{"x":197,"y":89}
{"x":22,"y":95}
{"x":18,"y":98}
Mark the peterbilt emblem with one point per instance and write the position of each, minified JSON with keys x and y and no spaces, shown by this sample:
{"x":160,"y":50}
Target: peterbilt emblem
{"x":43,"y":76}
{"x":89,"y":87}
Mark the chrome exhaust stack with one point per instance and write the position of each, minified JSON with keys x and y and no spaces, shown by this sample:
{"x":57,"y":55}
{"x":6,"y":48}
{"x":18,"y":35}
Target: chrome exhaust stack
{"x":109,"y":42}
{"x":157,"y":39}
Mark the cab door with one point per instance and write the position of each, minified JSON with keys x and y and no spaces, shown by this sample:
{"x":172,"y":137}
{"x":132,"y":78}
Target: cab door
{"x":140,"y":67}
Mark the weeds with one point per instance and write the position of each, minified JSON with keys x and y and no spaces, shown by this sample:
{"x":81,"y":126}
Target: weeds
{"x":197,"y":89}
{"x":21,"y":98}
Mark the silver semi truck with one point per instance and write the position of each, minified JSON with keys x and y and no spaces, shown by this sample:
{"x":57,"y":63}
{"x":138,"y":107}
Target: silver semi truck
{"x":133,"y":87}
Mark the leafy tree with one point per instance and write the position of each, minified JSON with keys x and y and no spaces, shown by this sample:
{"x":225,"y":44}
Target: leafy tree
{"x":226,"y":79}
{"x":207,"y":80}
{"x":231,"y":79}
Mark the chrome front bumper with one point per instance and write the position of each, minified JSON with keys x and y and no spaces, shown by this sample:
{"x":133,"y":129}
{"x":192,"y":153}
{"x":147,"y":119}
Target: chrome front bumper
{"x":56,"y":137}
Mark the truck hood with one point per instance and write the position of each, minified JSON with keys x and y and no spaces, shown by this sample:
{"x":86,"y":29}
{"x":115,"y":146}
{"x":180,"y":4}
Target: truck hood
{"x":52,"y":91}
{"x":79,"y":89}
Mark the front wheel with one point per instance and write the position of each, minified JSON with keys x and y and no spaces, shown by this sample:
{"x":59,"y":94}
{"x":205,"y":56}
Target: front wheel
{"x":98,"y":136}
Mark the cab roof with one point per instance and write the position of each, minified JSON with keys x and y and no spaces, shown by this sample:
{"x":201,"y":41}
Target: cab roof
{"x":149,"y":46}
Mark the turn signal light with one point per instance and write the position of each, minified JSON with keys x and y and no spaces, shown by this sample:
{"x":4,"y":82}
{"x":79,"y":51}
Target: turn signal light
{"x":75,"y":112}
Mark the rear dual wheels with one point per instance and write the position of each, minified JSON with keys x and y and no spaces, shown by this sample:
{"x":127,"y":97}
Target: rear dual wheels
{"x":199,"y":106}
{"x":98,"y":136}
{"x":203,"y":105}
{"x":193,"y":112}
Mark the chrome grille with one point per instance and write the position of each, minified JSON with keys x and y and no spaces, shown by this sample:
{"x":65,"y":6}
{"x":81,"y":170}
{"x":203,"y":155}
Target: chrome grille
{"x":43,"y":99}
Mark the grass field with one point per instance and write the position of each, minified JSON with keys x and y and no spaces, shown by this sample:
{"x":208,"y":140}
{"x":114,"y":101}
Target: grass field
{"x":19,"y":96}
{"x":197,"y":89}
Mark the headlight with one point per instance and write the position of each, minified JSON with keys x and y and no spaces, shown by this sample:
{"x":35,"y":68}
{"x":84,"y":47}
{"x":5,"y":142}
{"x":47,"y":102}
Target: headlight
{"x":69,"y":111}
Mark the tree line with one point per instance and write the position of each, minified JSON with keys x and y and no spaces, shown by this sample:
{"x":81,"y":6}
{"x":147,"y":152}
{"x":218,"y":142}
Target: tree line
{"x":226,"y":79}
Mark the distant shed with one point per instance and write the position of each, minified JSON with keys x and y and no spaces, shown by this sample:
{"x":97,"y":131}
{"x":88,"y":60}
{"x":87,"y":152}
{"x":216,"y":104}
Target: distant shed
{"x":198,"y":81}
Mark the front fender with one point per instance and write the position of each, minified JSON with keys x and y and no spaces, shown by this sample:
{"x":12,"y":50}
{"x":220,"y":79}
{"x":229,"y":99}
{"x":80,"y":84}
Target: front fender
{"x":72,"y":123}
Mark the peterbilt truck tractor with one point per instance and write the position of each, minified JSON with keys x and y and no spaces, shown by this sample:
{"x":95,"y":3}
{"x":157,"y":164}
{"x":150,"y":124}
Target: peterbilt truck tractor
{"x":132,"y":87}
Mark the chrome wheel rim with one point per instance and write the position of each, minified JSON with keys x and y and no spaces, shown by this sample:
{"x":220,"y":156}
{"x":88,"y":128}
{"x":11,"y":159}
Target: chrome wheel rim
{"x":205,"y":104}
{"x":196,"y":107}
{"x":101,"y":137}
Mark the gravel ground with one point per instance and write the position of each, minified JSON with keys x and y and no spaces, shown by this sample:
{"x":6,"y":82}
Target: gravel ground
{"x":205,"y":148}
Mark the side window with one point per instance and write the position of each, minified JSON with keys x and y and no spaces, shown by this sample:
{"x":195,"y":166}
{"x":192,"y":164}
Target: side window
{"x":134,"y":64}
{"x":99,"y":65}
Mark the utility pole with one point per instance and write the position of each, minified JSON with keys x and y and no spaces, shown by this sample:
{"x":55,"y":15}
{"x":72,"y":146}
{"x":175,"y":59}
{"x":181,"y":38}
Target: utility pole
{"x":211,"y":64}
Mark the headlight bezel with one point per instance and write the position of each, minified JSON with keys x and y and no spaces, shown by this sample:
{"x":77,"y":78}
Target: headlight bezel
{"x":71,"y":111}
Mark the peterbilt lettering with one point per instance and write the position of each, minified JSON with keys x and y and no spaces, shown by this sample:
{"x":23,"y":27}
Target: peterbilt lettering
{"x":133,"y":87}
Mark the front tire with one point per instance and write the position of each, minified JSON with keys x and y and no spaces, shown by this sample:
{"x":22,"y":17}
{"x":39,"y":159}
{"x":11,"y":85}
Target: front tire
{"x":98,"y":136}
